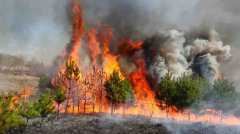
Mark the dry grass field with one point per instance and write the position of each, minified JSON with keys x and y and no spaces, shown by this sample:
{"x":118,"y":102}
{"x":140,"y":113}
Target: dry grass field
{"x":15,"y":83}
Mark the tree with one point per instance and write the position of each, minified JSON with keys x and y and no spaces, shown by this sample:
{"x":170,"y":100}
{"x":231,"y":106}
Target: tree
{"x":72,"y":74}
{"x":44,"y":104}
{"x":29,"y":110}
{"x":181,"y":92}
{"x":9,"y":116}
{"x":118,"y":90}
{"x":222,"y":95}
{"x":167,"y":90}
{"x":59,"y":96}
{"x":188,"y":91}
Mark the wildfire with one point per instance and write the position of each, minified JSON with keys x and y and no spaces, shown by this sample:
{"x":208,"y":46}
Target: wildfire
{"x":85,"y":91}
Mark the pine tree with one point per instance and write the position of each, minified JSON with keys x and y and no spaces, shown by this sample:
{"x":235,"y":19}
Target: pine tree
{"x":118,"y":91}
{"x":59,"y":97}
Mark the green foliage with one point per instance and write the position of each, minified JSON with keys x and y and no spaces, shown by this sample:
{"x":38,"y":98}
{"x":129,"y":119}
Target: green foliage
{"x":167,"y":90}
{"x":182,"y":92}
{"x":222,"y":95}
{"x":9,"y":116}
{"x":44,"y":105}
{"x":59,"y":96}
{"x":29,"y":110}
{"x":118,"y":91}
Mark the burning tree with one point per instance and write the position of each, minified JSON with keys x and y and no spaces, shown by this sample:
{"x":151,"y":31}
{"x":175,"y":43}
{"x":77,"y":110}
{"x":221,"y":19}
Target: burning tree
{"x":72,"y":74}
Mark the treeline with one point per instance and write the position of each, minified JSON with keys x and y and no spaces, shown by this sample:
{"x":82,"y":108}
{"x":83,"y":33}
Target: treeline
{"x":18,"y":65}
{"x":186,"y":92}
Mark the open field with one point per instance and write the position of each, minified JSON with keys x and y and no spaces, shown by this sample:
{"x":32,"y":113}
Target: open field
{"x":14,"y":83}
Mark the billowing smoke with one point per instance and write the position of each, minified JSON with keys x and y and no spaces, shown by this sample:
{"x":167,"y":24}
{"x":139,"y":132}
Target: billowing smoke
{"x":145,"y":18}
{"x":169,"y":52}
{"x":40,"y":28}
{"x":168,"y":48}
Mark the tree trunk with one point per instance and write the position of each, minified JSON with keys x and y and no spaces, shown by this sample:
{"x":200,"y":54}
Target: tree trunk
{"x":58,"y":107}
{"x":78,"y":104}
{"x":68,"y":95}
{"x":111,"y":108}
{"x":93,"y":107}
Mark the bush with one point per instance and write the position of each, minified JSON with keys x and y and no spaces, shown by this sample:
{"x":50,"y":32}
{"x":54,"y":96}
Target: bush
{"x":59,"y":96}
{"x":181,"y":93}
{"x":29,"y":110}
{"x":45,"y":105}
{"x":9,"y":116}
{"x":222,"y":95}
{"x":118,"y":91}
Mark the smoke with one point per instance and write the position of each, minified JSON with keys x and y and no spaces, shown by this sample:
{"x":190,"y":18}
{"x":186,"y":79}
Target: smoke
{"x":168,"y":48}
{"x":168,"y":52}
{"x":40,"y":29}
{"x":146,"y":18}
{"x":34,"y":29}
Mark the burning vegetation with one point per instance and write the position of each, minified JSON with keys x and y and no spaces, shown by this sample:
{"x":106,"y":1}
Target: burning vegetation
{"x":163,"y":72}
{"x":164,"y":76}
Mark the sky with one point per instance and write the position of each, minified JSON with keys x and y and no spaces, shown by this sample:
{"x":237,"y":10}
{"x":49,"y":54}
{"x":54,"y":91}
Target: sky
{"x":40,"y":29}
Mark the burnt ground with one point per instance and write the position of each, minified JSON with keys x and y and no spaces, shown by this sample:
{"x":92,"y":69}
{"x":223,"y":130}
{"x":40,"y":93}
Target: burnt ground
{"x":106,"y":124}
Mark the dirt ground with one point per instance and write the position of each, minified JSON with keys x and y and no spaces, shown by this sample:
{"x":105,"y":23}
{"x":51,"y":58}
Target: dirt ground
{"x":110,"y":124}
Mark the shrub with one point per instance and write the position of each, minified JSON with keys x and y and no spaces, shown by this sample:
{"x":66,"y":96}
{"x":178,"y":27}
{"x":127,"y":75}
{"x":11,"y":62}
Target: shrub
{"x":181,"y":93}
{"x":222,"y":95}
{"x":9,"y":116}
{"x":45,"y":105}
{"x":118,"y":91}
{"x":59,"y":96}
{"x":28,"y":110}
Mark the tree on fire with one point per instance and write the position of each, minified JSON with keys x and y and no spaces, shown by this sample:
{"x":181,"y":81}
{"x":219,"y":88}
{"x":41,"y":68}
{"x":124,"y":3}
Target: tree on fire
{"x":181,"y":92}
{"x":72,"y":73}
{"x":118,"y":91}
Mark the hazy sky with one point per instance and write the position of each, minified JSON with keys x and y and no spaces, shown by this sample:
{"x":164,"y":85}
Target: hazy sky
{"x":40,"y":28}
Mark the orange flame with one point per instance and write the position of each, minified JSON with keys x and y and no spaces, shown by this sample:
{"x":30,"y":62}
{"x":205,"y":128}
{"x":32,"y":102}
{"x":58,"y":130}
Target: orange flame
{"x":89,"y":94}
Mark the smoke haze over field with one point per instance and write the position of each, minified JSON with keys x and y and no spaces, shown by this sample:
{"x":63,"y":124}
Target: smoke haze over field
{"x":40,"y":29}
{"x":36,"y":29}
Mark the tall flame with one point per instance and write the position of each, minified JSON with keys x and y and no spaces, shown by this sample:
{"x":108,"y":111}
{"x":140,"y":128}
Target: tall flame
{"x":87,"y":92}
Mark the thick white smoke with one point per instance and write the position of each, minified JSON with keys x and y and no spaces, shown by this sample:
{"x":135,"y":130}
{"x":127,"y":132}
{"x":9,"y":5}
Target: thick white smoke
{"x":201,"y":56}
{"x":170,"y":56}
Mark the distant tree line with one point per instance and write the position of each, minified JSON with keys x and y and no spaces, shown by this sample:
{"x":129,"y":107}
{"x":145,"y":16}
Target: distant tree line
{"x":19,"y":65}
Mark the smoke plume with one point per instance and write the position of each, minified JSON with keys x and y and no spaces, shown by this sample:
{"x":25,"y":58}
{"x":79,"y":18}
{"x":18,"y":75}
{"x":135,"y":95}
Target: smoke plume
{"x":168,"y":52}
